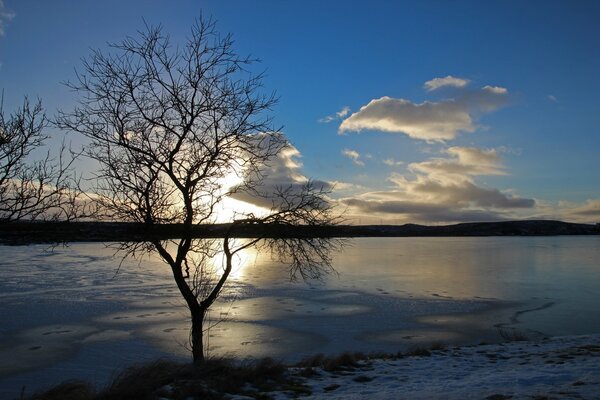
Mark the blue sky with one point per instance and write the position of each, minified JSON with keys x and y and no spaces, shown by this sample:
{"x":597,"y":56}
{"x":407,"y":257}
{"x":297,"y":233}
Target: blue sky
{"x":524,"y":147}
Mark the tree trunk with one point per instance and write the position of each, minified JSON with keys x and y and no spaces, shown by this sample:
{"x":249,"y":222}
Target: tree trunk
{"x":197,"y":337}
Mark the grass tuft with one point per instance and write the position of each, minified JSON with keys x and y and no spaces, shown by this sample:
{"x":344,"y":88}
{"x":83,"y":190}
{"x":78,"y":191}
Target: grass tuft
{"x":344,"y":362}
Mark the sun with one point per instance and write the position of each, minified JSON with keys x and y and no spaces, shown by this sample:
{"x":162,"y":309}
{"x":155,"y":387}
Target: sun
{"x":229,"y":208}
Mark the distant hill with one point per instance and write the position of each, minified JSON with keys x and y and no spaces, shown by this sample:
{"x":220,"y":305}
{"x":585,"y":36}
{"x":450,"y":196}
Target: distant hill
{"x":53,"y":232}
{"x":504,"y":228}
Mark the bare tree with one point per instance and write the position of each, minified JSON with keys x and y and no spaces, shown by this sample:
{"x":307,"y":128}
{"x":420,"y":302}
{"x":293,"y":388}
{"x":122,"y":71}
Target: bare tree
{"x":169,"y":125}
{"x":33,"y":189}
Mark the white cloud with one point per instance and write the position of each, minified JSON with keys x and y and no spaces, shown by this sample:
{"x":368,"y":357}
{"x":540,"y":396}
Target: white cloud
{"x":464,"y":161}
{"x":392,"y":162}
{"x":495,"y":89}
{"x":552,"y":98}
{"x":427,"y":121}
{"x":5,"y":16}
{"x":430,"y":121}
{"x":338,"y":115}
{"x":450,"y":80}
{"x":284,"y":171}
{"x":474,"y":155}
{"x":348,"y":188}
{"x":354,"y":156}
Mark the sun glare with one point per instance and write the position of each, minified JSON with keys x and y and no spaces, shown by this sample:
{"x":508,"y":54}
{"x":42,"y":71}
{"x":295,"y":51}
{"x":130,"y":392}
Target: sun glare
{"x":230,"y":208}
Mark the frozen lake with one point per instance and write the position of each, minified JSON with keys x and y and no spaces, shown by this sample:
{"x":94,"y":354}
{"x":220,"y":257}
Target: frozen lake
{"x":69,"y":312}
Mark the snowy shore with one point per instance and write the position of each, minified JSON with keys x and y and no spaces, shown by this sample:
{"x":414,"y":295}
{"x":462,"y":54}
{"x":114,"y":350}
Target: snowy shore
{"x":559,"y":368}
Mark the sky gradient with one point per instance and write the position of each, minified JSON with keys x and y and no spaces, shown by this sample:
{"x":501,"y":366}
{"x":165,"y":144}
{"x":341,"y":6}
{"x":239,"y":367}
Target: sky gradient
{"x":434,"y":112}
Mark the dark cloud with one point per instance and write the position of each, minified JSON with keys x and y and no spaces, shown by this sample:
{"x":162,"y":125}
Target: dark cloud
{"x":590,"y":209}
{"x":420,"y":212}
{"x":466,"y":193}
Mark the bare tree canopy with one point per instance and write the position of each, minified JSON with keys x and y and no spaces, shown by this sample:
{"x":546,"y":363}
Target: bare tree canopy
{"x":168,"y":123}
{"x":169,"y":126}
{"x":31,"y":190}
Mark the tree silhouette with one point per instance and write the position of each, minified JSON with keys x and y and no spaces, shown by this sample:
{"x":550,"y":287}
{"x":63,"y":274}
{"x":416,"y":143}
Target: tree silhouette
{"x":33,"y":189}
{"x":169,"y":126}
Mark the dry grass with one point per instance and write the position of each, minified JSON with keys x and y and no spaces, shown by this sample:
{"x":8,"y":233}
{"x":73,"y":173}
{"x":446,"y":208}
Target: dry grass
{"x":216,"y":377}
{"x":211,"y":380}
{"x":344,"y":362}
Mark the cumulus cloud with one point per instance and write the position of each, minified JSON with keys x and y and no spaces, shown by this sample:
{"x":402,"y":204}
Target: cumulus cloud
{"x":552,"y":98}
{"x":338,"y":115}
{"x":474,"y":155}
{"x":443,"y":189}
{"x":450,"y":80}
{"x":456,"y":192}
{"x":5,"y":16}
{"x":463,"y":161}
{"x":282,"y":172}
{"x":429,"y":121}
{"x":432,"y":121}
{"x":354,"y":156}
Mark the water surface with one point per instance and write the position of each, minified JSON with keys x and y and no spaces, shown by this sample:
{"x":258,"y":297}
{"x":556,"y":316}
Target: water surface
{"x":73,"y":312}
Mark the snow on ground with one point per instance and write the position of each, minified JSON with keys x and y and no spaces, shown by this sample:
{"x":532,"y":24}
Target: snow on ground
{"x":563,"y":367}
